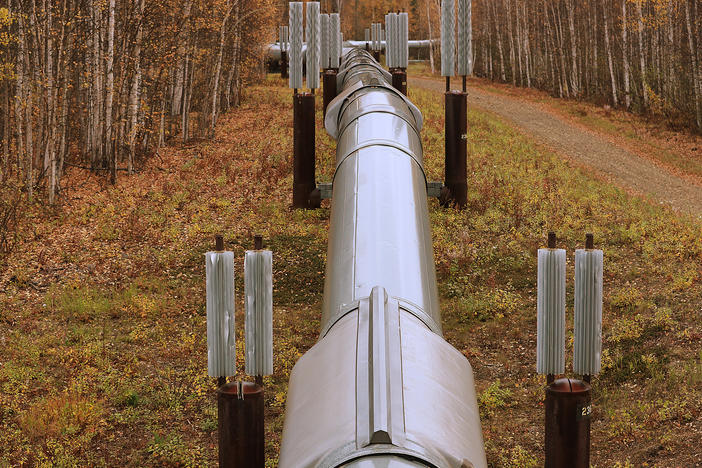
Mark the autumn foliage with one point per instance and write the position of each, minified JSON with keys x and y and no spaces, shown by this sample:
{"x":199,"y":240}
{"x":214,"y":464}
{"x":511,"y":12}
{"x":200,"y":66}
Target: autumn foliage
{"x":102,"y":84}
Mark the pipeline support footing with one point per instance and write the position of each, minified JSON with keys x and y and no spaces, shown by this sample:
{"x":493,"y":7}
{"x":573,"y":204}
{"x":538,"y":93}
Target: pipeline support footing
{"x":456,"y":128}
{"x":399,"y":80}
{"x":241,"y":427}
{"x":568,"y":410}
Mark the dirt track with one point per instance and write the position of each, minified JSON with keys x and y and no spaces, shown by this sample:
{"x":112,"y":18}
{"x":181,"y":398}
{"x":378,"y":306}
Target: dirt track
{"x":586,"y":148}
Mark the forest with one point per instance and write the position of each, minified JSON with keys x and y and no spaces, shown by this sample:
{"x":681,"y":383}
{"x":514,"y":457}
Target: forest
{"x":102,"y":84}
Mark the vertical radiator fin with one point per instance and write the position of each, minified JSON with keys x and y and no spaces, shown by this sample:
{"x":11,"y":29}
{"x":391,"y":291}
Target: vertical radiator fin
{"x":465,"y":59}
{"x":312,"y":55}
{"x":588,"y":312}
{"x":221,"y":339}
{"x":334,"y":33}
{"x":550,"y":353}
{"x":324,"y":40}
{"x":448,"y":37}
{"x":404,"y":41}
{"x":258,"y":289}
{"x":295,"y":55}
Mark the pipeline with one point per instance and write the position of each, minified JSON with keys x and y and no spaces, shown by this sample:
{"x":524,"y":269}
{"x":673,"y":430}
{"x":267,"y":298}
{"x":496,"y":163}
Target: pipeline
{"x":381,"y":387}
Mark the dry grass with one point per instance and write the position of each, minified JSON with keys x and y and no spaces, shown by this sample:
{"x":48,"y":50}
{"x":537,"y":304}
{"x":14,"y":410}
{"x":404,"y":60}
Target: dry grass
{"x":102,"y":327}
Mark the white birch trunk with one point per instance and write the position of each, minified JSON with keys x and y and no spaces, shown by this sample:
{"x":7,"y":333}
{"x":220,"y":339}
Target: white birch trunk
{"x":625,"y":56}
{"x":574,"y":84}
{"x":134,"y":92}
{"x":696,"y":85}
{"x":218,"y":69}
{"x":19,"y":99}
{"x":608,"y":49}
{"x":110,"y":92}
{"x":642,"y":55}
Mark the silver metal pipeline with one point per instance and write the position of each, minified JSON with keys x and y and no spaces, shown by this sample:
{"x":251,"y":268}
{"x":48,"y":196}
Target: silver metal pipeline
{"x":381,"y":388}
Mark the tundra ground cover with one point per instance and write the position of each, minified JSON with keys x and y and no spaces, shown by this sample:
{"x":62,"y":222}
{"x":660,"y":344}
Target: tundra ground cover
{"x":102,"y":329}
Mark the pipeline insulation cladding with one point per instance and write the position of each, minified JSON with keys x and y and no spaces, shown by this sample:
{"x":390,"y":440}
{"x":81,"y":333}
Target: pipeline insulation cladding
{"x":221,"y":338}
{"x":312,"y":55}
{"x":258,"y":291}
{"x":448,"y":37}
{"x":465,"y":46}
{"x":404,"y":40}
{"x":324,"y":40}
{"x":588,"y":312}
{"x":334,"y":36}
{"x":295,"y":54}
{"x":550,"y":311}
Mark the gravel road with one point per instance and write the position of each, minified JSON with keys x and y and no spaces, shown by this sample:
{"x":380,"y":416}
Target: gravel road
{"x":586,"y":148}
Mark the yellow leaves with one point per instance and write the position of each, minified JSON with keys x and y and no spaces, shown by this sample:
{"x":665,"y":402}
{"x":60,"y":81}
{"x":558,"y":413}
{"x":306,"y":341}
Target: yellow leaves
{"x":6,"y":69}
{"x":5,"y":18}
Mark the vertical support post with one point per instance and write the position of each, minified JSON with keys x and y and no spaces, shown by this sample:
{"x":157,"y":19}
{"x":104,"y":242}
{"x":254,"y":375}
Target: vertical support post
{"x":284,"y":65}
{"x":568,"y":409}
{"x":399,"y":80}
{"x":304,"y":182}
{"x":241,"y":426}
{"x":456,"y":128}
{"x":329,"y":92}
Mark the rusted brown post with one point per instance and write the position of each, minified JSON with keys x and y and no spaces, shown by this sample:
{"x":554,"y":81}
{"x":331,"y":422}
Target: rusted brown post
{"x":456,"y":127}
{"x":329,"y":93}
{"x":568,"y":410}
{"x":241,"y":425}
{"x":399,"y":80}
{"x":376,"y":55}
{"x":284,"y":64}
{"x":303,"y":150}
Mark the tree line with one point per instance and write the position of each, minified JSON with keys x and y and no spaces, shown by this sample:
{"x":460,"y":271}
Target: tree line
{"x":643,"y":55}
{"x":101,"y":84}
